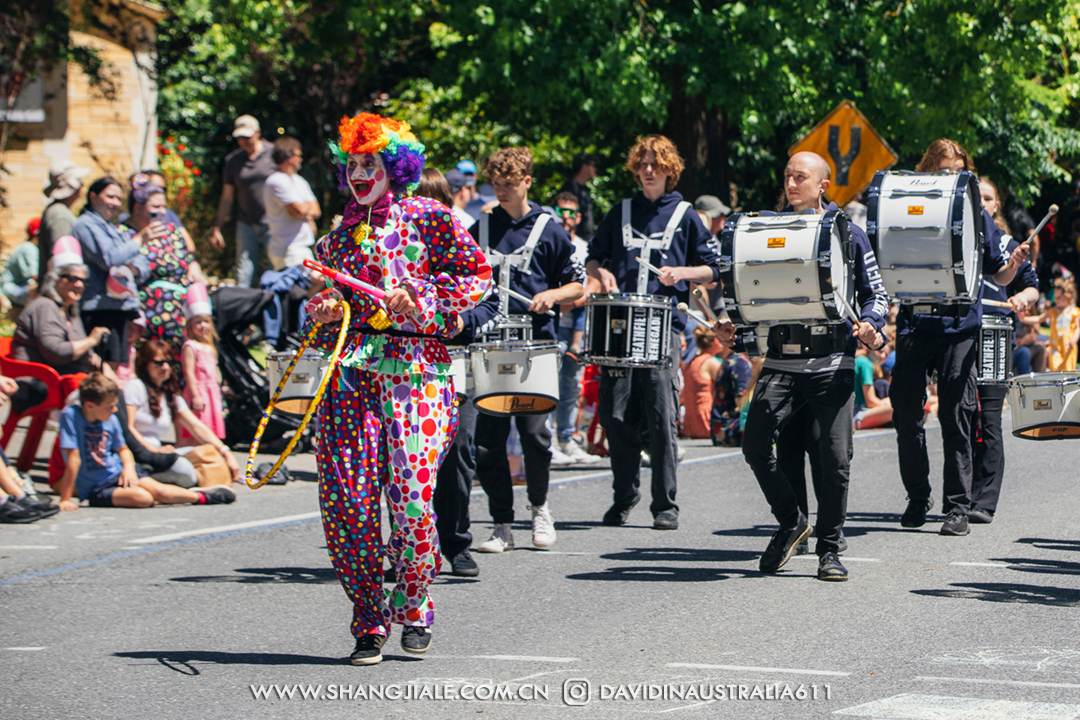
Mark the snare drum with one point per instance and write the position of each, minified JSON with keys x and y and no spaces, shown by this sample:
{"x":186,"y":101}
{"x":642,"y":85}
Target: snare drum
{"x":786,"y":268}
{"x":927,"y":233}
{"x":515,"y":378}
{"x":627,"y":330}
{"x":995,"y":350}
{"x":510,"y":329}
{"x":460,"y":370}
{"x":299,"y":391}
{"x":1045,"y":406}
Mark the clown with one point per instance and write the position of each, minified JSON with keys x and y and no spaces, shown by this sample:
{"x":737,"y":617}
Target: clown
{"x":391,"y":411}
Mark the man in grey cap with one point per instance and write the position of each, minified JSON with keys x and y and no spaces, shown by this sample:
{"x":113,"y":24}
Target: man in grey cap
{"x":716,"y":210}
{"x":65,"y":187}
{"x":461,"y":193}
{"x":244,"y":173}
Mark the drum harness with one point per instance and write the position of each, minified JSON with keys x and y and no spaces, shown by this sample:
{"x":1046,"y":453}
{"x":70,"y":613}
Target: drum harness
{"x":632,"y":238}
{"x":519,"y":259}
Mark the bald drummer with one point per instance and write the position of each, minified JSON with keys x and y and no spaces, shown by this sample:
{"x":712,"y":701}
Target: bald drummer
{"x":821,"y":380}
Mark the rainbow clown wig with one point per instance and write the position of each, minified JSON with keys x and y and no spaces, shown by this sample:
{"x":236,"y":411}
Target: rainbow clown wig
{"x":401,"y":152}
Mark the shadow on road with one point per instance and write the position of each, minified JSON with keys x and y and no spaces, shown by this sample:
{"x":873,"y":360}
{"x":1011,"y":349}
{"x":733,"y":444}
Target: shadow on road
{"x":1008,"y":593}
{"x":1038,"y":565}
{"x":1049,"y":544}
{"x":664,"y":554}
{"x":663,"y":574}
{"x":181,"y":660}
{"x":294,"y":575}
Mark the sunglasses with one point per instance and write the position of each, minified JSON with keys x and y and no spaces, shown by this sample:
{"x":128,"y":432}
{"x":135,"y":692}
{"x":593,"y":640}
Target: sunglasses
{"x":160,"y":363}
{"x":73,"y":278}
{"x":565,"y":212}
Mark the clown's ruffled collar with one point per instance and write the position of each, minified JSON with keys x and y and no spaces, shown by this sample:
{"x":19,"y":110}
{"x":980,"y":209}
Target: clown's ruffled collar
{"x":375,"y":215}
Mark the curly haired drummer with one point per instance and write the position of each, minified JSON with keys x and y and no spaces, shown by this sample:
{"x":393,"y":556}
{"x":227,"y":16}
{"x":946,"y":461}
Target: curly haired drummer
{"x":657,"y":225}
{"x":390,"y":413}
{"x":815,"y":371}
{"x":942,"y":339}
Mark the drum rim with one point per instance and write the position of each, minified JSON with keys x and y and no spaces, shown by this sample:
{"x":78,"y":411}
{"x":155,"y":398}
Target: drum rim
{"x":549,"y":398}
{"x":513,"y":345}
{"x":1017,"y":381}
{"x":1017,"y":432}
{"x":605,"y":361}
{"x":632,"y":300}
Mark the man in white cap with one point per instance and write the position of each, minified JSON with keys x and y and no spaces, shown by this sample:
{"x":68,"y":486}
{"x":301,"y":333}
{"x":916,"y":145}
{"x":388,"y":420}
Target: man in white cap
{"x":243,"y":176}
{"x":63,"y":191}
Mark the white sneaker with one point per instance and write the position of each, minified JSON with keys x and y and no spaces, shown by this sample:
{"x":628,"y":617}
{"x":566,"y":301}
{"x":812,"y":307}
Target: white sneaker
{"x":646,"y":461}
{"x":543,"y":527}
{"x":559,"y":458}
{"x":577,"y":454}
{"x":501,"y":540}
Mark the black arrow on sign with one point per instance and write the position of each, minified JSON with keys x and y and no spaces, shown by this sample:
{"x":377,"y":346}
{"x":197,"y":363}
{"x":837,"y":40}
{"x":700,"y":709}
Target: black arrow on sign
{"x":843,"y":162}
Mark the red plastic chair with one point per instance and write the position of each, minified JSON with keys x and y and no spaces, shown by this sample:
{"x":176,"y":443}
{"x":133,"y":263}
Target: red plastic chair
{"x":39,"y":413}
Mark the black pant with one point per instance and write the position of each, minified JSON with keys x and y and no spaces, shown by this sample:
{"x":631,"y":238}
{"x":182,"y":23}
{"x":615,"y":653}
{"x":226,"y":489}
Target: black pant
{"x":797,"y":442}
{"x":630,"y":399}
{"x":493,"y":467}
{"x":453,"y":485}
{"x":988,"y":466}
{"x":917,"y":357}
{"x":830,"y":397}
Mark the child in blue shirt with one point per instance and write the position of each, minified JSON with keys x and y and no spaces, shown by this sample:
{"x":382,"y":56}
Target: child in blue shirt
{"x":100,"y":467}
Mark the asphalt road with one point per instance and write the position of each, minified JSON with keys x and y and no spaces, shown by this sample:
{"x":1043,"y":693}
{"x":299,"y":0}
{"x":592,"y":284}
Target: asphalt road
{"x":189,"y":612}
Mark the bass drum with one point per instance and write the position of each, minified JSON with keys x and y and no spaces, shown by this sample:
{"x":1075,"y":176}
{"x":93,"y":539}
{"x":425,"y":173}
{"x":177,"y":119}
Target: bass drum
{"x":516,"y":378}
{"x":299,"y":392}
{"x":926,"y":230}
{"x":786,"y":268}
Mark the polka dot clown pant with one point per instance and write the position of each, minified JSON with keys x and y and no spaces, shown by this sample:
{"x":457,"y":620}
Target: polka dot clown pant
{"x":380,"y":431}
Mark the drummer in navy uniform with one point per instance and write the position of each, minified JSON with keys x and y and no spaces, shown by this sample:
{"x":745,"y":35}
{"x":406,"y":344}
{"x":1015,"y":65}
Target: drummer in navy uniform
{"x":675,"y":240}
{"x":988,"y":457}
{"x":945,"y":341}
{"x":531,"y":255}
{"x":815,"y":371}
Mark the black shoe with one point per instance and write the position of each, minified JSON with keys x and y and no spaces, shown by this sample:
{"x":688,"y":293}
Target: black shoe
{"x":980,"y":517}
{"x":955,"y":524}
{"x":915,"y":514}
{"x":11,"y":512}
{"x":667,"y":520}
{"x":368,"y":650}
{"x":463,"y":565}
{"x":841,"y":544}
{"x":617,"y":514}
{"x":803,"y":548}
{"x":415,"y":640}
{"x":783,"y":544}
{"x":830,"y":569}
{"x":217,"y":494}
{"x":29,"y":502}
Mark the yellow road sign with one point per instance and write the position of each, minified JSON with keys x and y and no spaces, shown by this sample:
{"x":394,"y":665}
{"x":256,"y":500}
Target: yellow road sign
{"x":853,"y":149}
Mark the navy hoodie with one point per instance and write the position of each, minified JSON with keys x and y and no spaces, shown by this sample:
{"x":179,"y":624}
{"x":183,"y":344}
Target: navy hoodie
{"x":692,"y":246}
{"x":1025,"y":278}
{"x":552,"y":263}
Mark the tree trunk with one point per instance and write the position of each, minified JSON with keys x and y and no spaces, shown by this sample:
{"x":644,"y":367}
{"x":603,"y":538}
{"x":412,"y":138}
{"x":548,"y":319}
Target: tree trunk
{"x":699,"y":133}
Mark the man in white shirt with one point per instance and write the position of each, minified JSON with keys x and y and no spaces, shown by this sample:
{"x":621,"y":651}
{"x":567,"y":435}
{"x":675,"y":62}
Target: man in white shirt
{"x":291,"y":208}
{"x":461,"y":194}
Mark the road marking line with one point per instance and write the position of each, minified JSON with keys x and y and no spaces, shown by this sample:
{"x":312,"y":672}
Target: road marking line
{"x":522,"y":658}
{"x":743,"y":668}
{"x":985,"y":681}
{"x":686,"y":707}
{"x":842,"y":557}
{"x":979,"y":564}
{"x":29,"y":547}
{"x":25,"y":649}
{"x":914,"y":706}
{"x":222,"y":528}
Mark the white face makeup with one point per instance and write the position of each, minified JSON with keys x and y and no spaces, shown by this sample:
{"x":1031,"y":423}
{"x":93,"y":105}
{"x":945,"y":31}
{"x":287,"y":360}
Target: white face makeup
{"x":367,"y":177}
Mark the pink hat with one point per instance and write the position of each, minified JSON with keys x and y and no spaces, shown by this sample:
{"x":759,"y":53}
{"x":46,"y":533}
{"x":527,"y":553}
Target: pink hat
{"x":197,"y":301}
{"x":66,"y":251}
{"x":121,"y":283}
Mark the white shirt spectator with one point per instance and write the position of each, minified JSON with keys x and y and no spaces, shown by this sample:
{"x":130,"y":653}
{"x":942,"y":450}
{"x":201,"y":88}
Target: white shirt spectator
{"x":288,"y":235}
{"x":150,"y":427}
{"x":466,"y":220}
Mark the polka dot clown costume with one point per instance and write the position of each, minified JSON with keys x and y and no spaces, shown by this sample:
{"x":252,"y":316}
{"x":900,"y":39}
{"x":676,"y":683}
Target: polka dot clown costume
{"x":391,"y":413}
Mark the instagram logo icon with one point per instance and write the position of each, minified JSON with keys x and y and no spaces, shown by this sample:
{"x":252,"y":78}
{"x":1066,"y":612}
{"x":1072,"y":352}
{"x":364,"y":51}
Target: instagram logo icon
{"x":576,"y":691}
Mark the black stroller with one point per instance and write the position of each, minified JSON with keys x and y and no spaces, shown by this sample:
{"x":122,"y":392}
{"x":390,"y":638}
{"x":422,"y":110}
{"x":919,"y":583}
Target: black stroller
{"x":235,"y":311}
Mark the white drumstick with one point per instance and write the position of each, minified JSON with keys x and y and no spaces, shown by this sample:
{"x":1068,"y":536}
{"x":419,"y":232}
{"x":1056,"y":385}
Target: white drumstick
{"x":685,"y":309}
{"x":524,"y":299}
{"x":703,"y":303}
{"x":1042,"y":224}
{"x":649,"y":266}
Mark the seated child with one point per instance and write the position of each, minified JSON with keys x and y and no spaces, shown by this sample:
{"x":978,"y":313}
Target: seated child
{"x":100,"y":466}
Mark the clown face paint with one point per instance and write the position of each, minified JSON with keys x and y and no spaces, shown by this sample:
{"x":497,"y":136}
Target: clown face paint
{"x":367,"y":177}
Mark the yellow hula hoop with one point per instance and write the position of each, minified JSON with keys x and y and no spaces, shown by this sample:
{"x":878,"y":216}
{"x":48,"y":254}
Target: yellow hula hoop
{"x":334,"y":358}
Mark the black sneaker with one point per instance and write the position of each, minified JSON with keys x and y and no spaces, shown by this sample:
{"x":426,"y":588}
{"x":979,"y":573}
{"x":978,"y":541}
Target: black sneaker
{"x":667,"y":520}
{"x":415,"y":640}
{"x":12,"y":513}
{"x":783,"y":544}
{"x":463,"y":565}
{"x":980,"y":517}
{"x":830,"y":569}
{"x":29,"y":502}
{"x":915,"y":514}
{"x":617,"y":514}
{"x":217,"y":494}
{"x":955,"y":524}
{"x":368,"y":650}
